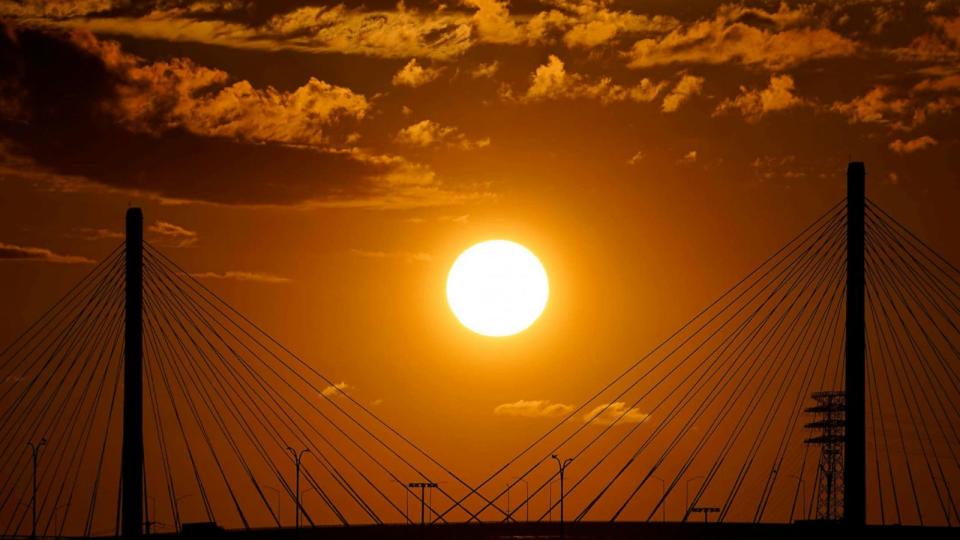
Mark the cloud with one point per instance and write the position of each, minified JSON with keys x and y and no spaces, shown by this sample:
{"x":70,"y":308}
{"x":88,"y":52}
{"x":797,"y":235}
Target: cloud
{"x":910,"y":146}
{"x":754,"y":103}
{"x":687,"y":87}
{"x":876,"y":106}
{"x":942,"y":44}
{"x":406,"y":256}
{"x":239,"y":275}
{"x":159,"y":96}
{"x":335,"y":389}
{"x":689,"y":157}
{"x":173,"y":235}
{"x":429,"y":133}
{"x":485,"y":71}
{"x":13,"y":252}
{"x":618,"y":412}
{"x":537,"y":408}
{"x":636,"y":158}
{"x":96,"y":233}
{"x":151,"y":116}
{"x":413,"y":75}
{"x":737,"y":34}
{"x":551,"y":81}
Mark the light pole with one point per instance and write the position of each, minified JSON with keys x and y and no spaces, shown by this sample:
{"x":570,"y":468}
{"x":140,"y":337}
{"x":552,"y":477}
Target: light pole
{"x":687,"y":495}
{"x":563,"y":468}
{"x":526,"y":495}
{"x":297,"y":460}
{"x":279,"y":494}
{"x":509,"y":517}
{"x":423,"y":501}
{"x":35,"y":451}
{"x":663,"y":503}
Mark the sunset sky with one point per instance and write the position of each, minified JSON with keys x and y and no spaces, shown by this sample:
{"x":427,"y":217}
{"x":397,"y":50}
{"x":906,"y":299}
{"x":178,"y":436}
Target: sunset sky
{"x":320,"y":165}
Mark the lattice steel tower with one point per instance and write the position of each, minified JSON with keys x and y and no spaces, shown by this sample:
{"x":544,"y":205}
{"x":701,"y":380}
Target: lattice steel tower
{"x":828,"y":428}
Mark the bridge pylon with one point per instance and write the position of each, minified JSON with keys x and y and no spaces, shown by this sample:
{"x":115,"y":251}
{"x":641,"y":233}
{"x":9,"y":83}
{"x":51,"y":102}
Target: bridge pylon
{"x":131,"y":458}
{"x":854,"y":455}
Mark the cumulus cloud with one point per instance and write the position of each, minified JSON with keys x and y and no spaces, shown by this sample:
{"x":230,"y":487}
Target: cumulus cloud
{"x":876,"y":106}
{"x":636,"y":158}
{"x":13,"y":252}
{"x":618,"y":412}
{"x":689,"y":157}
{"x":485,"y":71}
{"x":413,"y":75}
{"x":534,"y":408}
{"x":429,"y":133}
{"x":738,"y":34}
{"x":173,"y":235}
{"x":754,"y":103}
{"x":553,"y":81}
{"x":335,"y":389}
{"x":239,"y":275}
{"x":687,"y":87}
{"x":908,"y":147}
{"x":942,"y":43}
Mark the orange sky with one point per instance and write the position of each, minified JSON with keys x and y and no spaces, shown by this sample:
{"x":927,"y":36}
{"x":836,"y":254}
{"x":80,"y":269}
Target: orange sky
{"x":320,"y":166}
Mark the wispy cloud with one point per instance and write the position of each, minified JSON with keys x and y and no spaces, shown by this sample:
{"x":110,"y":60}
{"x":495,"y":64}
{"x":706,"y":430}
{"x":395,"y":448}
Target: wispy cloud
{"x":96,"y":233}
{"x":405,"y":256}
{"x":910,"y":146}
{"x":13,"y":252}
{"x":174,"y":235}
{"x":535,"y":408}
{"x":238,"y":275}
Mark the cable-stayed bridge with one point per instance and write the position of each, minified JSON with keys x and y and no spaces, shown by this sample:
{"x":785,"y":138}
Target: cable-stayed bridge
{"x":821,"y":392}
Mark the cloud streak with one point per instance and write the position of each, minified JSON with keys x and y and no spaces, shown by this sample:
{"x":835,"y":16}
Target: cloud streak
{"x":14,"y":252}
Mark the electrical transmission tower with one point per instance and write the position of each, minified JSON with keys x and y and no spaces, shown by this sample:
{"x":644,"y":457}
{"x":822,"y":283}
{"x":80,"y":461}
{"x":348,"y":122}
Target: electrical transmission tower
{"x":828,"y":429}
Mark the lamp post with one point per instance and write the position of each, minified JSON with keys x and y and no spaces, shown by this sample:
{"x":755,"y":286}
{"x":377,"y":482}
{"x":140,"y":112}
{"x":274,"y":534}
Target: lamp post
{"x":35,"y":452}
{"x":562,"y":464}
{"x":297,"y":460}
{"x":687,"y":495}
{"x":423,"y":487}
{"x":803,"y":500}
{"x":526,"y":495}
{"x":279,"y":494}
{"x":663,"y":504}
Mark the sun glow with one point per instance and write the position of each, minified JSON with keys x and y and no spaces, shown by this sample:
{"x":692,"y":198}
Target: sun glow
{"x":497,"y":288}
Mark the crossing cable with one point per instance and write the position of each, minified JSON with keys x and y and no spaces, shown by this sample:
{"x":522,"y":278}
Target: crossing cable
{"x":110,"y":328}
{"x":69,"y":351}
{"x":902,"y":283}
{"x":178,"y":376}
{"x":789,"y":272}
{"x":260,"y":413}
{"x":821,"y":351}
{"x":792,"y":271}
{"x":886,"y":286}
{"x":221,"y":391}
{"x":328,"y":466}
{"x":64,"y":345}
{"x":186,"y":368}
{"x":179,"y":273}
{"x":883,"y":348}
{"x":817,"y":228}
{"x":716,"y":353}
{"x":928,"y":283}
{"x":760,"y":390}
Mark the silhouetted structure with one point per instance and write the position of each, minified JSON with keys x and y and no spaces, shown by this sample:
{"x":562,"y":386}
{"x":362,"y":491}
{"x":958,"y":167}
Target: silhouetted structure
{"x":131,"y":461}
{"x":855,"y":451}
{"x":829,"y":436}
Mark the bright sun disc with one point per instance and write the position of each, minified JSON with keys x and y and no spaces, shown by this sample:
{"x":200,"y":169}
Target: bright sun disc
{"x":497,"y":288}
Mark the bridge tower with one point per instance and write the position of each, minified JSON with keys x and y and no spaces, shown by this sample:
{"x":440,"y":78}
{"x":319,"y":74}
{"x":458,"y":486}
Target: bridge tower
{"x":131,"y":459}
{"x":854,"y":455}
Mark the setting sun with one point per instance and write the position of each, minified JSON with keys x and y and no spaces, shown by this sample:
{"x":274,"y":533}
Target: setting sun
{"x":497,"y":288}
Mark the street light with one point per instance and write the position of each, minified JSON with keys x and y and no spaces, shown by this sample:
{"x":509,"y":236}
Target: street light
{"x":35,"y":451}
{"x":687,"y":495}
{"x":802,"y":485}
{"x":526,"y":500}
{"x":563,"y":467}
{"x":297,"y":459}
{"x":423,"y":486}
{"x":663,"y":503}
{"x":279,"y":493}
